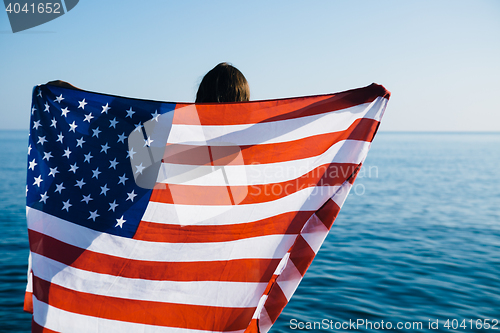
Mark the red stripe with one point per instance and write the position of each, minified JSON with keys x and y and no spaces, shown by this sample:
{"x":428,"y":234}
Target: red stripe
{"x":274,"y":110}
{"x":352,"y":178}
{"x":361,"y":129}
{"x":253,"y":327}
{"x":328,"y":213}
{"x":301,"y":255}
{"x":282,"y":224}
{"x":325,"y":175}
{"x":143,"y":312}
{"x":28,"y":302}
{"x":238,"y":270}
{"x":35,"y":328}
{"x":270,"y":284}
{"x":275,"y":303}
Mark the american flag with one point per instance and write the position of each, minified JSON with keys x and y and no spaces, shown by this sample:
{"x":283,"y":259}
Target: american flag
{"x":147,"y":216}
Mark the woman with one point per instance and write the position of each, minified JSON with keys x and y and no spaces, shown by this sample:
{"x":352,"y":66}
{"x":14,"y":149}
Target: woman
{"x":224,"y":83}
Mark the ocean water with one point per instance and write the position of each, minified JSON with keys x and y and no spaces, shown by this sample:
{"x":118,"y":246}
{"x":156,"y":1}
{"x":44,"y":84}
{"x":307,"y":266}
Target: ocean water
{"x":13,"y":233}
{"x":417,"y":241}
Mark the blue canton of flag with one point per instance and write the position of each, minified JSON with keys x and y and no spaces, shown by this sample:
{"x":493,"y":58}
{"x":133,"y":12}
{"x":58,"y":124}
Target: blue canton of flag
{"x":79,"y":160}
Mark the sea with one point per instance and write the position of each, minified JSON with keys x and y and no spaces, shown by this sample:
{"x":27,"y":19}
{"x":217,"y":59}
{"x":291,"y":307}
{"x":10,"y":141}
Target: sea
{"x":416,"y":247}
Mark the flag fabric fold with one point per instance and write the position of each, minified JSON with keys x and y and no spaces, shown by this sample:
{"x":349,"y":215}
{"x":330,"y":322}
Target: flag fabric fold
{"x":147,"y":216}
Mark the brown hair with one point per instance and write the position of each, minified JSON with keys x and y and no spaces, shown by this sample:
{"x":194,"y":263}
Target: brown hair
{"x":223,"y":83}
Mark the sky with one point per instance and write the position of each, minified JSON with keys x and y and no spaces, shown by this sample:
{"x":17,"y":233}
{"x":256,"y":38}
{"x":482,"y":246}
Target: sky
{"x":439,"y":59}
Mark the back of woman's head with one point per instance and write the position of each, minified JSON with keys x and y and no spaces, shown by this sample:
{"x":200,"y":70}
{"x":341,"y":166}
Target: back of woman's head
{"x":224,"y":83}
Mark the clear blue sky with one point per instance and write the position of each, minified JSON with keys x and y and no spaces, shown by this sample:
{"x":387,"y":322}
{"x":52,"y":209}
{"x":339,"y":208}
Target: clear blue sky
{"x":440,"y":59}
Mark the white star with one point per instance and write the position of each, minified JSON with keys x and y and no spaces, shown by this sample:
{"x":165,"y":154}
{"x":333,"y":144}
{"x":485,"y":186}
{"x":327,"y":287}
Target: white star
{"x":138,"y":127}
{"x":29,"y":149}
{"x":73,"y":168}
{"x":123,"y":179}
{"x":67,"y":152}
{"x":80,"y":183}
{"x":121,"y":138}
{"x":86,"y":198}
{"x":155,"y":115}
{"x":105,"y":148}
{"x":113,"y":164}
{"x":44,"y":197}
{"x":131,"y":196}
{"x":96,"y":132}
{"x":80,"y":142}
{"x":36,"y":124}
{"x":105,"y":108}
{"x":73,"y":126}
{"x":59,"y":188}
{"x":113,"y":122}
{"x":32,"y":165}
{"x":66,"y":205}
{"x":60,"y":138}
{"x":88,"y":157}
{"x":93,"y":215}
{"x":41,"y":140}
{"x":53,"y":172}
{"x":129,"y":113}
{"x":120,"y":221}
{"x":33,"y":109}
{"x":96,"y":173}
{"x":38,"y":180}
{"x":112,"y":206}
{"x":104,"y":189}
{"x":26,"y":190}
{"x":88,"y":117}
{"x":64,"y":112}
{"x":82,"y":104}
{"x":54,"y":122}
{"x":139,"y":168}
{"x":59,"y":99}
{"x":148,"y":142}
{"x":39,"y":93}
{"x":47,"y":106}
{"x":47,"y":156}
{"x":130,"y":153}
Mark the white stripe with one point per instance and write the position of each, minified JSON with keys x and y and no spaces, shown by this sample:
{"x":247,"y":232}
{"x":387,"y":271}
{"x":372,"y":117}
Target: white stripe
{"x":314,"y":233}
{"x":308,"y":199}
{"x":341,"y":195}
{"x":289,"y":280}
{"x":260,"y":306}
{"x":346,"y":151}
{"x":29,"y":285}
{"x":277,"y":131}
{"x":282,"y":264}
{"x":265,"y":322}
{"x":208,"y":293}
{"x":63,"y":321}
{"x":264,"y":247}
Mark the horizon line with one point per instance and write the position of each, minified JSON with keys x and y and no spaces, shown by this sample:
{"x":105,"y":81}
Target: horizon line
{"x":381,"y":131}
